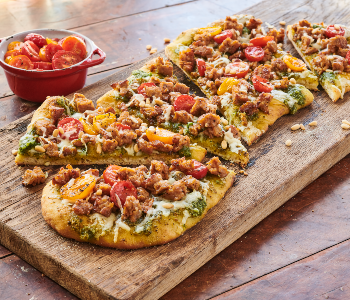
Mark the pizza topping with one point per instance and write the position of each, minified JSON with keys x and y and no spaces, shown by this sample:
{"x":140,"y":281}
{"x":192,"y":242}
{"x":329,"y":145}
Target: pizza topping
{"x":261,"y":41}
{"x":232,"y":23}
{"x":71,"y":128}
{"x":43,"y":127}
{"x":337,"y":43}
{"x":216,"y":168}
{"x":278,"y":65}
{"x":78,"y":188}
{"x":37,"y":176}
{"x":132,"y":209}
{"x":65,"y":175}
{"x":229,"y":46}
{"x":261,"y":84}
{"x":294,"y":63}
{"x":237,"y":69}
{"x":164,"y":68}
{"x":82,"y":104}
{"x":253,"y":23}
{"x":82,"y":207}
{"x":159,"y":167}
{"x":335,"y":30}
{"x":277,"y":34}
{"x":187,"y":60}
{"x":184,"y":103}
{"x":120,"y":191}
{"x":122,"y":87}
{"x":224,"y":35}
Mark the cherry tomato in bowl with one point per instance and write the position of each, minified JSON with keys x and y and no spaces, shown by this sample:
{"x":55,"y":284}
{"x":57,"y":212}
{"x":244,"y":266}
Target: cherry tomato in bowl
{"x":184,"y":102}
{"x":141,"y":88}
{"x":37,"y":39}
{"x":21,"y":62}
{"x":74,"y":44}
{"x":13,"y":53}
{"x":51,"y":50}
{"x":254,"y":53}
{"x":223,"y":36}
{"x":31,"y":51}
{"x":201,"y":66}
{"x":199,"y":171}
{"x":262,"y":85}
{"x":261,"y":41}
{"x":110,"y":174}
{"x":121,"y":190}
{"x":237,"y":69}
{"x":16,"y":45}
{"x":334,"y":30}
{"x":65,"y":59}
{"x":71,"y":128}
{"x":40,"y":65}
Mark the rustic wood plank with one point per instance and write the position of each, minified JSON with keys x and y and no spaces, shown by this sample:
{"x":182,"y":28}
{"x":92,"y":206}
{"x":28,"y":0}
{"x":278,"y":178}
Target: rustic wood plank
{"x":4,"y":252}
{"x":18,"y":16}
{"x":324,"y":275}
{"x":315,"y":219}
{"x":19,"y":280}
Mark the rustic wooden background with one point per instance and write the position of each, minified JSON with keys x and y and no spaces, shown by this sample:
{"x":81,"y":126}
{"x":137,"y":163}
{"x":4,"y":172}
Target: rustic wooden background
{"x":300,"y":251}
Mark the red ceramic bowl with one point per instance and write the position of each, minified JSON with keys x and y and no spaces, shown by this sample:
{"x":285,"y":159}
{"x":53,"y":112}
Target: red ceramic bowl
{"x":34,"y":85}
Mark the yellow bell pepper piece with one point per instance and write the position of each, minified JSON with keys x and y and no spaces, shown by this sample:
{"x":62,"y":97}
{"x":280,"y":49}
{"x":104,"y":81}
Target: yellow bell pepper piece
{"x":49,"y":41}
{"x":88,"y":128}
{"x":159,"y":134}
{"x":211,"y":30}
{"x":81,"y":188}
{"x":294,"y":63}
{"x":226,"y":86}
{"x":103,"y":121}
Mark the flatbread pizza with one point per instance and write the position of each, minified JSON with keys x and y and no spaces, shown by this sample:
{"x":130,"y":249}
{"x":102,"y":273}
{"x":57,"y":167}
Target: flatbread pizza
{"x":130,"y":208}
{"x":244,"y":70}
{"x":325,"y":49}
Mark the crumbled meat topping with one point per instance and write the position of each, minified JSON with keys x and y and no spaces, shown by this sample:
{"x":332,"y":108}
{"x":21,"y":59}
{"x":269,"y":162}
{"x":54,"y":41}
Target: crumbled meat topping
{"x":64,"y":175}
{"x":216,"y":168}
{"x":34,"y":177}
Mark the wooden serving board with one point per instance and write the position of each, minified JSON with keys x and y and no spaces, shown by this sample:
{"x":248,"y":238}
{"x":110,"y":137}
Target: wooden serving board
{"x":276,"y":173}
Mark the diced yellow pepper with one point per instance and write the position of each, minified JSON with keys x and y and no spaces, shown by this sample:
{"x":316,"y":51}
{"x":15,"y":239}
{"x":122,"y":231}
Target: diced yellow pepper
{"x":159,"y":134}
{"x":81,"y":188}
{"x":103,"y":121}
{"x":226,"y":86}
{"x":88,"y":128}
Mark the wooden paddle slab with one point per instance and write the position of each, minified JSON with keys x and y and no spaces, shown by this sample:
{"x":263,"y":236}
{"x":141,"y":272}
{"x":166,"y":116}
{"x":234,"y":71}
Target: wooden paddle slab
{"x":276,"y":173}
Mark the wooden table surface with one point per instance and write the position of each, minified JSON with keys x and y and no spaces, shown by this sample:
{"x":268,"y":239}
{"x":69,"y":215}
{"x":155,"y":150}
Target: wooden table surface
{"x":301,"y":251}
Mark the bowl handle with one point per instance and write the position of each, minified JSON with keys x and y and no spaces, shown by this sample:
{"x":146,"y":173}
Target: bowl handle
{"x":93,"y":62}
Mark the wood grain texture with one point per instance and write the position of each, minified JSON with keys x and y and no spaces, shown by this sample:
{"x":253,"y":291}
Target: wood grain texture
{"x":4,"y":252}
{"x":325,"y":275}
{"x":313,"y":220}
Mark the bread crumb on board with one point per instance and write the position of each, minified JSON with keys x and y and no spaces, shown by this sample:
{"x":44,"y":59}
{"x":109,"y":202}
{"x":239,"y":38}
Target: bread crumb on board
{"x":288,"y":143}
{"x":167,"y":40}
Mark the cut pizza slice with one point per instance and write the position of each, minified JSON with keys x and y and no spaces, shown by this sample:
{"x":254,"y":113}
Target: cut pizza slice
{"x":131,"y":208}
{"x":245,"y":72}
{"x":74,"y":132}
{"x":155,"y":96}
{"x":325,"y":49}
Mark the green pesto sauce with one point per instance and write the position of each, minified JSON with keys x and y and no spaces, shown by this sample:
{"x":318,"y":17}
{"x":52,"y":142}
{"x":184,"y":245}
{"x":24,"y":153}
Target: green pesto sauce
{"x":253,"y":117}
{"x":296,"y":92}
{"x":245,"y":30}
{"x":327,"y":77}
{"x":68,"y":108}
{"x":197,"y":207}
{"x":174,"y":127}
{"x":185,"y":151}
{"x":141,"y":74}
{"x":27,"y":142}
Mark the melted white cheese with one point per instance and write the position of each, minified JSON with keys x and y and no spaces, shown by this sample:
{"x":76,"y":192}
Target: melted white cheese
{"x":77,"y":116}
{"x":234,"y":144}
{"x":130,"y":150}
{"x":167,"y":113}
{"x":221,"y":60}
{"x":284,"y":98}
{"x":225,"y":99}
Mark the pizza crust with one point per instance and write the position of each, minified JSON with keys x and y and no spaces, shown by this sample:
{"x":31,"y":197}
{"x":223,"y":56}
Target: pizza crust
{"x":58,"y":215}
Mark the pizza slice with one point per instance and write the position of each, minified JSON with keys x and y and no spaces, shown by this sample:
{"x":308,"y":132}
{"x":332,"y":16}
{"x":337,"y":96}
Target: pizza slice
{"x":130,"y":208}
{"x":236,"y":50}
{"x":75,"y":132}
{"x":154,"y":95}
{"x":325,"y":49}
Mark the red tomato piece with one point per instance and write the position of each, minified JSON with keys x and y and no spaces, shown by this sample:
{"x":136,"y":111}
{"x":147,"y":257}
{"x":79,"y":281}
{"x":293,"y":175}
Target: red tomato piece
{"x":348,"y":56}
{"x":64,"y":59}
{"x":80,"y":37}
{"x":219,"y":38}
{"x":13,"y":53}
{"x":201,"y":66}
{"x":37,"y":39}
{"x":21,"y":62}
{"x":51,"y":49}
{"x":75,"y":44}
{"x":56,"y":39}
{"x":110,"y":174}
{"x":237,"y":69}
{"x":261,"y":41}
{"x":262,"y":85}
{"x":122,"y":189}
{"x":31,"y":51}
{"x":331,"y":31}
{"x":184,"y":102}
{"x":200,"y":170}
{"x":40,"y":65}
{"x":71,"y":128}
{"x":121,"y":126}
{"x":141,"y":88}
{"x":253,"y":53}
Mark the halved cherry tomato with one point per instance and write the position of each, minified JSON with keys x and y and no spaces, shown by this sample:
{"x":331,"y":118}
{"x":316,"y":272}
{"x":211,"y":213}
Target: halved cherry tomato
{"x":55,"y":40}
{"x":109,"y":175}
{"x":79,"y":36}
{"x":332,"y":32}
{"x":261,"y":41}
{"x":294,"y":63}
{"x":64,"y":59}
{"x":237,"y":69}
{"x":37,"y":39}
{"x":88,"y":128}
{"x":158,"y":134}
{"x":348,"y":56}
{"x":51,"y":50}
{"x":223,"y":36}
{"x":262,"y":85}
{"x":141,"y":88}
{"x":184,"y":102}
{"x":71,"y":128}
{"x":226,"y":86}
{"x":42,"y":54}
{"x":7,"y":59}
{"x":42,"y":65}
{"x":103,"y":121}
{"x":201,"y":66}
{"x":253,"y":53}
{"x":31,"y":50}
{"x":211,"y":30}
{"x":21,"y":62}
{"x":51,"y":41}
{"x":121,"y":190}
{"x":13,"y":53}
{"x":80,"y":188}
{"x":121,"y":126}
{"x":200,"y":170}
{"x":76,"y":45}
{"x":14,"y":46}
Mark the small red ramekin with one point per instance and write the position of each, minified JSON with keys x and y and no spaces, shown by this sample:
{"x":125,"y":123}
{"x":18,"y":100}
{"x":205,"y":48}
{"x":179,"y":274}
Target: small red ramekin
{"x":35,"y":85}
